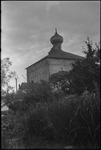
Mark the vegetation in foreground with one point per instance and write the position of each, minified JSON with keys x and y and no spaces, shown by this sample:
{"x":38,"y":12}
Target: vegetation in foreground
{"x":72,"y":121}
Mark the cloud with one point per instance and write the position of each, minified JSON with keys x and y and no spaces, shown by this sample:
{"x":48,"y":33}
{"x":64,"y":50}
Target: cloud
{"x":50,"y":4}
{"x":77,"y":17}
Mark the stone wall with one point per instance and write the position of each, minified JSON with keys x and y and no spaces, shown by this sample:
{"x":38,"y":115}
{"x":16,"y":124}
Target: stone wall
{"x":56,"y":65}
{"x":38,"y":71}
{"x":43,"y":69}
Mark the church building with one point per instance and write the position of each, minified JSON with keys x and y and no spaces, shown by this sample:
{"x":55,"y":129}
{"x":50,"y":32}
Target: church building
{"x":56,"y":60}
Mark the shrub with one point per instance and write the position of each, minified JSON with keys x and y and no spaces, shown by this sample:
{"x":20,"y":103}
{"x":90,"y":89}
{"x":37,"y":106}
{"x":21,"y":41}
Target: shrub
{"x":36,"y":124}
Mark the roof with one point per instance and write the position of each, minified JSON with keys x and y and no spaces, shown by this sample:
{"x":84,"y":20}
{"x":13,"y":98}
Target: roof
{"x":64,"y":55}
{"x":25,"y":85}
{"x":60,"y":54}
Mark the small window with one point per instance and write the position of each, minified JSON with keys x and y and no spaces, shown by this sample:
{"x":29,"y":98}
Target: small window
{"x":32,"y":81}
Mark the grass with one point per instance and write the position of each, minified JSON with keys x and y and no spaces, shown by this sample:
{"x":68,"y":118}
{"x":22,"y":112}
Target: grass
{"x":73,"y":121}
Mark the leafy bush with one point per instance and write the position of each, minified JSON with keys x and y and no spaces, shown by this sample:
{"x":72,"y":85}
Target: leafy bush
{"x":86,"y":73}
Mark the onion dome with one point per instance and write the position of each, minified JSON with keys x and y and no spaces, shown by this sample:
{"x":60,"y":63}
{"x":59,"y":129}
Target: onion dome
{"x":56,"y":38}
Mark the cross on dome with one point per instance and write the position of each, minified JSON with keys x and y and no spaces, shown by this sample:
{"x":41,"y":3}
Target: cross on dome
{"x":55,"y":30}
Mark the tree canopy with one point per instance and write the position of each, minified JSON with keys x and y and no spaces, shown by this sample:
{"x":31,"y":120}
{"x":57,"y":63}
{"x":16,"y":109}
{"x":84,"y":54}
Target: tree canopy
{"x":6,"y":75}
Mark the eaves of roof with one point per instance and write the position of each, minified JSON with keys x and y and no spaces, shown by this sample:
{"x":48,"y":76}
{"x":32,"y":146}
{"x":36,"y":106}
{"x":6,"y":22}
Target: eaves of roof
{"x":60,"y":55}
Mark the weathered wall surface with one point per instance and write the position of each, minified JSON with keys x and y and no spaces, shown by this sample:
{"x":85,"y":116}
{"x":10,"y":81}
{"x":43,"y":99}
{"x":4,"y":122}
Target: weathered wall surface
{"x":56,"y":65}
{"x":43,"y":69}
{"x":38,"y":71}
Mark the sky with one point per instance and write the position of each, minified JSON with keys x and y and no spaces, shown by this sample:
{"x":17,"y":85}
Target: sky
{"x":27,"y":27}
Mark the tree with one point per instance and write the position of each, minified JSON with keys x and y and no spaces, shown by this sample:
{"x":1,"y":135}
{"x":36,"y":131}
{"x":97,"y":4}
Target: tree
{"x":86,"y":73}
{"x":6,"y":75}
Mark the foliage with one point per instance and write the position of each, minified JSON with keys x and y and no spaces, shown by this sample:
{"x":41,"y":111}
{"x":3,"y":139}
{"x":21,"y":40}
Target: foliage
{"x":21,"y":104}
{"x":60,"y":81}
{"x":86,"y":73}
{"x":40,"y":92}
{"x":6,"y":75}
{"x":23,"y":99}
{"x":62,"y":121}
{"x":11,"y":130}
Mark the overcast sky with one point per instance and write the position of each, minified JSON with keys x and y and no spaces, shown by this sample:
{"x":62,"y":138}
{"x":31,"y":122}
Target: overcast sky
{"x":27,"y":27}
